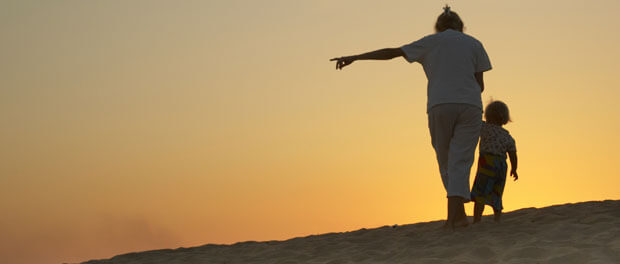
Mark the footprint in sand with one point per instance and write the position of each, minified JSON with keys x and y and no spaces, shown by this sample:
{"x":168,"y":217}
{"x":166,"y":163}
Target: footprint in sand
{"x":595,"y":219}
{"x":526,"y":253}
{"x":575,"y":257}
{"x":483,"y":253}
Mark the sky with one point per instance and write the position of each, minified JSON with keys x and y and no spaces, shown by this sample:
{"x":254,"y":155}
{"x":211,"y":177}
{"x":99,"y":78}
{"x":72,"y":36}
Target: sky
{"x":138,"y":125}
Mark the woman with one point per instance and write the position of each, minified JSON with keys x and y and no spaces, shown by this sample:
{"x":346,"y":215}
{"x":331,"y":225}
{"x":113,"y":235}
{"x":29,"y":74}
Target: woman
{"x":454,"y":63}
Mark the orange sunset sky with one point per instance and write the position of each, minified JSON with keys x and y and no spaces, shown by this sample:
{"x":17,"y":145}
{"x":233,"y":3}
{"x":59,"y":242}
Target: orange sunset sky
{"x":137,"y":125}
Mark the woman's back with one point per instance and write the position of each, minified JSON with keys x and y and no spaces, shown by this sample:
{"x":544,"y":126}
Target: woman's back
{"x":450,"y":60}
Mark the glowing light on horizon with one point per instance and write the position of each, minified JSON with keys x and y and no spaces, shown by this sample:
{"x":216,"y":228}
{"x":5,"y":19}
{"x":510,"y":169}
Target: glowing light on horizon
{"x":160,"y":125}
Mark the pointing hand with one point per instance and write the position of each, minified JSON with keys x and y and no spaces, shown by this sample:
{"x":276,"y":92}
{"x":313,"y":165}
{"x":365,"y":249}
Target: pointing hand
{"x":343,"y":61}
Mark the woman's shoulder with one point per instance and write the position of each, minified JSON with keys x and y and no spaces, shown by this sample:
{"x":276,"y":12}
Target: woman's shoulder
{"x":472,"y":38}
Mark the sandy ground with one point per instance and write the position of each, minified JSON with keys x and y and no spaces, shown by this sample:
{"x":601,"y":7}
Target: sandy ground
{"x":586,"y":232}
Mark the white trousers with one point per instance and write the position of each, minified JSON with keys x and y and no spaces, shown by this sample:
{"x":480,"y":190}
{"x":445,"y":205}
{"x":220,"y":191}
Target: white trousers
{"x":455,"y":130}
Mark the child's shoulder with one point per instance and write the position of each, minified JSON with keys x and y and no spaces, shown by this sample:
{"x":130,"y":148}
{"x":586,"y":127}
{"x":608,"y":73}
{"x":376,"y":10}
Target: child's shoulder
{"x":494,"y":128}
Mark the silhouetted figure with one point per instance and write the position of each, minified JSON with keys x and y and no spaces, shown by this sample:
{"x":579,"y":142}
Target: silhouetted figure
{"x":495,"y":142}
{"x":453,"y":63}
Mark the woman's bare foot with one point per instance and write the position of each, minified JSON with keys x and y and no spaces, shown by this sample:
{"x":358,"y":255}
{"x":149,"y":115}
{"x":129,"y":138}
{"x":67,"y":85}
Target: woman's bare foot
{"x":456,"y":213}
{"x":460,"y":223}
{"x":460,"y":220}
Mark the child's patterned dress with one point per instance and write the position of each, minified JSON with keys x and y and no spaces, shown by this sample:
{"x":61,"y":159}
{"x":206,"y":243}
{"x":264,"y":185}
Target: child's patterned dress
{"x":488,"y":188}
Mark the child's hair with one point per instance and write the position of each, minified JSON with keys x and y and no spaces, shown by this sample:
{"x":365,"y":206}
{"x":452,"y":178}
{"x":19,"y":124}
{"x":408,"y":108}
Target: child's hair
{"x":448,"y":20}
{"x":497,"y":112}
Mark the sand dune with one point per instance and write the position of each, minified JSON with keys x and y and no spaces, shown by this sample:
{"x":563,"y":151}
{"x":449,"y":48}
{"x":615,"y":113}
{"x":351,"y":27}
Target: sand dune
{"x":586,"y":232}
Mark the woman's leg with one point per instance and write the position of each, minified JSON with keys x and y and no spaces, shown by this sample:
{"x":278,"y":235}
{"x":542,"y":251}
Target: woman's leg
{"x":455,"y":129}
{"x":461,"y":158}
{"x":441,"y":122}
{"x":462,"y":150}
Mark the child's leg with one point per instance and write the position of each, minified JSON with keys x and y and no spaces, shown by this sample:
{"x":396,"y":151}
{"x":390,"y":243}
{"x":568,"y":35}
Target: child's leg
{"x":478,"y":209}
{"x":497,"y":214}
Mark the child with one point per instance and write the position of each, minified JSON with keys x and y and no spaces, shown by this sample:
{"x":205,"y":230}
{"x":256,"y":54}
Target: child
{"x":495,"y":142}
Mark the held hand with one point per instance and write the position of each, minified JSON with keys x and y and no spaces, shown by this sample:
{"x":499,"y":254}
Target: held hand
{"x":514,"y":174}
{"x":343,"y":61}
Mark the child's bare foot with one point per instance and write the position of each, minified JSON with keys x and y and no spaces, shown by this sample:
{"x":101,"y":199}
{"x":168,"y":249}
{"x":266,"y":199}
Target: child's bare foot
{"x":497,"y":216}
{"x":478,"y":210}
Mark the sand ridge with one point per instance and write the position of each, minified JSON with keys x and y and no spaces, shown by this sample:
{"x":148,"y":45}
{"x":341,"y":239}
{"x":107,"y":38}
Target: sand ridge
{"x":587,"y":232}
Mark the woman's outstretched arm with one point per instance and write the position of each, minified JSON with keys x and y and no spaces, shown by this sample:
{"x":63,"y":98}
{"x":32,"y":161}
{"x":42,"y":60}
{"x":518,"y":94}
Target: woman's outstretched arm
{"x":382,"y":54}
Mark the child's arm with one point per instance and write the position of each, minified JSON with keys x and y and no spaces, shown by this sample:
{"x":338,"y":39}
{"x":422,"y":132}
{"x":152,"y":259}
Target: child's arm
{"x":513,"y":164}
{"x":382,"y":54}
